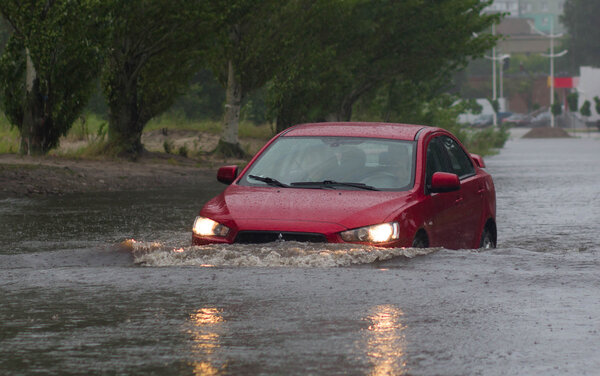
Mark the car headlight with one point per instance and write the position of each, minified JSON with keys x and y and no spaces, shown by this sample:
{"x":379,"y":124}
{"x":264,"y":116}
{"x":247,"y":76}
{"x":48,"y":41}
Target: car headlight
{"x":207,"y":227}
{"x":381,"y":233}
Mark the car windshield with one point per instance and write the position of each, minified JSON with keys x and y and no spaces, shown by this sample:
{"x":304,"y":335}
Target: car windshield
{"x":332,"y":162}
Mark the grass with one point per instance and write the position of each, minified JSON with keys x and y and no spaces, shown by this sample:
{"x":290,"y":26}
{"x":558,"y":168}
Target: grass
{"x":246,"y":129}
{"x":87,"y":127}
{"x":487,"y":141}
{"x":9,"y":136}
{"x":93,"y":130}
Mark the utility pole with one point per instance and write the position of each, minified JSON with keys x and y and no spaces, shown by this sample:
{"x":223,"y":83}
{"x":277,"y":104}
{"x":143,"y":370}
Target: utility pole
{"x":552,"y":55}
{"x":494,"y":75}
{"x":495,"y":58}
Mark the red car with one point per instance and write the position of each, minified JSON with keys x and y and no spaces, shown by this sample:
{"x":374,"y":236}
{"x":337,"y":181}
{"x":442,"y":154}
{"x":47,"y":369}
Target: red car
{"x":389,"y":185}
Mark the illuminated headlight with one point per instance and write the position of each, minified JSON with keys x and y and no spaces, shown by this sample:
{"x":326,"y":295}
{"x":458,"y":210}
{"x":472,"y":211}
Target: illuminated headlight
{"x":384,"y":232}
{"x":208,"y":227}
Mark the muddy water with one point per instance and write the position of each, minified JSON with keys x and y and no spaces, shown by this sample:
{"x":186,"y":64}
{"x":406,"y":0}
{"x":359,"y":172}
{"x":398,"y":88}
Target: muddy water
{"x":73,"y":302}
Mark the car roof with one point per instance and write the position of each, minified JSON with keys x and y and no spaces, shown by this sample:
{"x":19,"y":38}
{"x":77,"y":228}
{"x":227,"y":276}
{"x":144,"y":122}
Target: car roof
{"x":357,"y":129}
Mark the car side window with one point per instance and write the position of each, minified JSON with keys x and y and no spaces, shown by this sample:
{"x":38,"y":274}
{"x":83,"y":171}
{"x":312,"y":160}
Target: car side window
{"x":459,"y":161}
{"x":435,"y":159}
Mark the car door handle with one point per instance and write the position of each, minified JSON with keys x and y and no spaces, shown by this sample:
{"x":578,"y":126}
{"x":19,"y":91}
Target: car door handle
{"x":458,"y":200}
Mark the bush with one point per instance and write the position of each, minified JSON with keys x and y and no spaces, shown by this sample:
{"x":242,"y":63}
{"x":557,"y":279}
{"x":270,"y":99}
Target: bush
{"x":168,"y":146}
{"x":183,"y":151}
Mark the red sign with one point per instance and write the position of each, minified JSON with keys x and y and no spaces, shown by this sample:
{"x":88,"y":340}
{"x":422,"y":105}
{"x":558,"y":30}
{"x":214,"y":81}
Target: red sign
{"x":564,"y":82}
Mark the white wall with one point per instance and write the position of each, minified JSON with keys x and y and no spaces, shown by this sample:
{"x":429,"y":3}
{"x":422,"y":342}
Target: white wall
{"x":588,"y":88}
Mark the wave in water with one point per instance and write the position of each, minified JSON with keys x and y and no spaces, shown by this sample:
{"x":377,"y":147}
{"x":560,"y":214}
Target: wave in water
{"x":284,"y":254}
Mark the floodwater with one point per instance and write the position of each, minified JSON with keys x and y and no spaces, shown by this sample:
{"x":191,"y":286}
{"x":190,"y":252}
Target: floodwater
{"x":74,"y":301}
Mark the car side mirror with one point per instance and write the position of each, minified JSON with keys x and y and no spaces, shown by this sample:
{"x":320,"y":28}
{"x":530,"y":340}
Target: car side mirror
{"x":227,"y":174}
{"x":478,"y":160}
{"x":442,"y":182}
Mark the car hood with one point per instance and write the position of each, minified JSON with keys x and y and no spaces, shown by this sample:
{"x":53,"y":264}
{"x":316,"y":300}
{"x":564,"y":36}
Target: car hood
{"x":345,"y":208}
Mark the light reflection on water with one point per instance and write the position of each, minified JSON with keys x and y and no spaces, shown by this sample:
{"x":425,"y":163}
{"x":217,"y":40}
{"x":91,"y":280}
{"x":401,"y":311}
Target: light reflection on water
{"x":206,"y":337}
{"x":385,"y":340}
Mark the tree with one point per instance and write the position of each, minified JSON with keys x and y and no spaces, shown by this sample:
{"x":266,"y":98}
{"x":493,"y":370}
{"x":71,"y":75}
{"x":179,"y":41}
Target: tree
{"x":374,"y":44}
{"x":5,"y":33}
{"x":572,"y":99}
{"x":585,"y":109}
{"x":48,"y":66}
{"x":253,"y":39}
{"x":155,"y":48}
{"x":556,"y":107}
{"x":582,"y":17}
{"x":304,"y":87}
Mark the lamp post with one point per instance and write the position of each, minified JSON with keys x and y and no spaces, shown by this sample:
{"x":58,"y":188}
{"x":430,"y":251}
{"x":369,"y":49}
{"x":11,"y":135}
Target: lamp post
{"x":495,"y":58}
{"x":552,"y":55}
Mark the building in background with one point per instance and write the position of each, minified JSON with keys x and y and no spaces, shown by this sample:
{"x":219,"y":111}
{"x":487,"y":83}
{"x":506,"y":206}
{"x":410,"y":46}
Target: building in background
{"x":545,"y":14}
{"x":519,"y":38}
{"x":511,"y":7}
{"x":588,"y":88}
{"x":522,"y":31}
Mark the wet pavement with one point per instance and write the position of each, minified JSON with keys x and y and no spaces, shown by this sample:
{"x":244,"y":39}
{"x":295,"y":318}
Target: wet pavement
{"x":74,"y":302}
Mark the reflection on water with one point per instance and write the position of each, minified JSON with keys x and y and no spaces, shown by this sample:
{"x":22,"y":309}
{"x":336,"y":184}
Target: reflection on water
{"x":386,"y":343}
{"x":206,"y":337}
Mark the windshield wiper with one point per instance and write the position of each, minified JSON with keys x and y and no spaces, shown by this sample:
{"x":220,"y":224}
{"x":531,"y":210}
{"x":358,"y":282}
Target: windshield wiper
{"x":269,"y":181}
{"x":333,"y":183}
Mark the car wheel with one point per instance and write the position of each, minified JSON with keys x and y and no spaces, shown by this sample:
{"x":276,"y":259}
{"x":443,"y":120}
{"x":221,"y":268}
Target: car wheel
{"x":487,"y":240}
{"x":420,"y":241}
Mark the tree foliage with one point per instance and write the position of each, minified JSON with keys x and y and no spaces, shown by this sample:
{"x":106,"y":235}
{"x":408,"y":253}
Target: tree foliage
{"x":48,"y":66}
{"x":585,"y":109}
{"x":582,"y":17}
{"x":572,"y":99}
{"x":414,"y":43}
{"x":5,"y":33}
{"x":310,"y":59}
{"x":252,"y":41}
{"x":155,"y":48}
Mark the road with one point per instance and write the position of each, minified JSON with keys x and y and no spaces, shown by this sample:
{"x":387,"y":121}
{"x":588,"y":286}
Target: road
{"x":72,"y":302}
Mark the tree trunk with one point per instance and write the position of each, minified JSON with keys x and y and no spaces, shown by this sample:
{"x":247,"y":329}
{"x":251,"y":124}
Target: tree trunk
{"x":125,"y":123}
{"x":285,"y":116}
{"x":36,"y":130}
{"x":229,"y":144}
{"x":346,"y":109}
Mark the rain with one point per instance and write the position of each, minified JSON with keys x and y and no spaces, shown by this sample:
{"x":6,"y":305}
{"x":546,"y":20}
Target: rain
{"x":98,"y":273}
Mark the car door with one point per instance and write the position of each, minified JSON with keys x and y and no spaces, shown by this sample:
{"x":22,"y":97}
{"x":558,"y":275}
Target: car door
{"x":469,"y":201}
{"x":444,"y":215}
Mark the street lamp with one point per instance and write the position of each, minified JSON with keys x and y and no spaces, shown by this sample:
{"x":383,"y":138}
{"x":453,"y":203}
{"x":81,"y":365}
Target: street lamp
{"x":495,"y":58}
{"x":552,"y":55}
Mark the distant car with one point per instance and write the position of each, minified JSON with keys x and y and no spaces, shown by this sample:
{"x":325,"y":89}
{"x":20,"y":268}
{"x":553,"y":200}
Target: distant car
{"x":517,"y":120}
{"x":503,"y":115}
{"x":389,"y":185}
{"x":541,"y":120}
{"x":483,"y":120}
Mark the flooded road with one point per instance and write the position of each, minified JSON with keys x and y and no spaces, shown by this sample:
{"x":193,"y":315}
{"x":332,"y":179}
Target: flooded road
{"x":73,"y":302}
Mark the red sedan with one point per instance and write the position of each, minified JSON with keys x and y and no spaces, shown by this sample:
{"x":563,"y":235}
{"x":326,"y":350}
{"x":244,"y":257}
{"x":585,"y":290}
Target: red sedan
{"x":389,"y":185}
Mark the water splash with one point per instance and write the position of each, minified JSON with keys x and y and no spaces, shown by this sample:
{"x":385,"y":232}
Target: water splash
{"x":283,"y":254}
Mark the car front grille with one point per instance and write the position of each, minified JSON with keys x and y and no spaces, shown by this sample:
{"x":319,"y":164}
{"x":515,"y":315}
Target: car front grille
{"x":255,"y":237}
